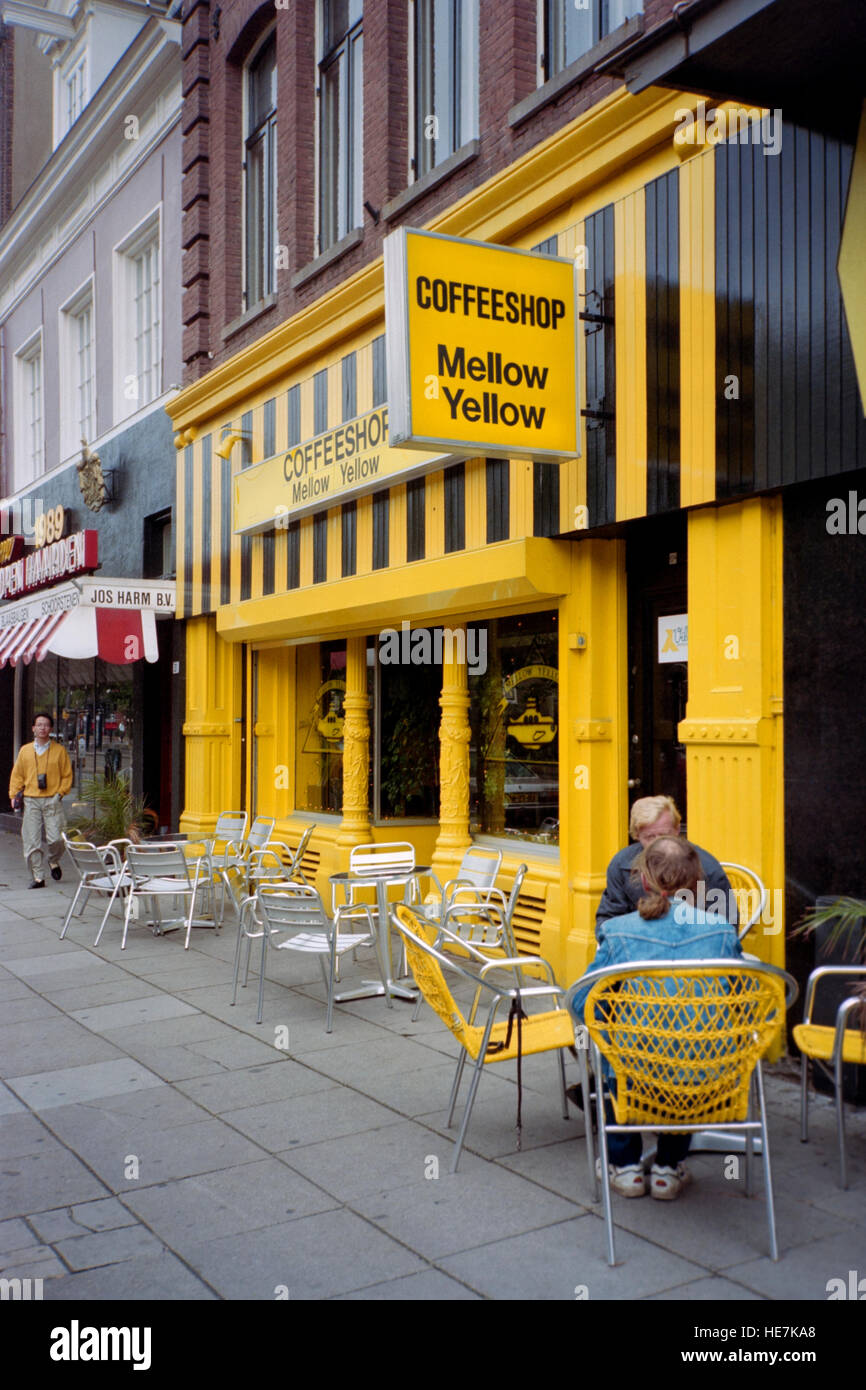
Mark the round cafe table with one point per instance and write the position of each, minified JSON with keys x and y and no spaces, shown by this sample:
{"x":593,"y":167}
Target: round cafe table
{"x":369,"y":989}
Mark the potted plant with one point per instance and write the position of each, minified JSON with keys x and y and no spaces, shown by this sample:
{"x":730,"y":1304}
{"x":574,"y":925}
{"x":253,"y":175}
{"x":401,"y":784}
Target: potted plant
{"x":113,"y":812}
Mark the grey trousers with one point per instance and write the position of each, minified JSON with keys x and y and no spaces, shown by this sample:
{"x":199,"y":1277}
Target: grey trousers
{"x":42,"y":811}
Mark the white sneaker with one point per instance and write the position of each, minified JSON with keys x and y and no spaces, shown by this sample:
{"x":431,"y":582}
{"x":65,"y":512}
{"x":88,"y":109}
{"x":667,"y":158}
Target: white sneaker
{"x":666,"y":1184}
{"x":628,"y":1180}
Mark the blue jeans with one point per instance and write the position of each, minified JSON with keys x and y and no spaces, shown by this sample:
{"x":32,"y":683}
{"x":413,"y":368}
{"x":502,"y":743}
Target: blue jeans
{"x":627,"y":1148}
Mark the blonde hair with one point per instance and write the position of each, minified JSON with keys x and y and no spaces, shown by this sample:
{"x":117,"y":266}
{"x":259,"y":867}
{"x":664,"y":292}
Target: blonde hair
{"x":669,"y":864}
{"x":647,"y":809}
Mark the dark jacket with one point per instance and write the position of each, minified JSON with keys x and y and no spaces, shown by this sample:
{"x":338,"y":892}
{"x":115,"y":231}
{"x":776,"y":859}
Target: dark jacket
{"x":624,"y":888}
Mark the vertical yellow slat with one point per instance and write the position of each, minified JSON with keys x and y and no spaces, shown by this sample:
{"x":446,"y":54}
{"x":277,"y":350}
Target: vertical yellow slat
{"x":631,"y":399}
{"x":281,"y":532}
{"x":180,"y":534}
{"x":335,"y":395}
{"x":397,"y":527}
{"x":257,"y":453}
{"x":196,"y":526}
{"x":434,"y":516}
{"x":520,"y":499}
{"x":697,"y":330}
{"x":476,"y":504}
{"x":364,"y":544}
{"x":235,"y":544}
{"x":364,"y":368}
{"x":335,"y":544}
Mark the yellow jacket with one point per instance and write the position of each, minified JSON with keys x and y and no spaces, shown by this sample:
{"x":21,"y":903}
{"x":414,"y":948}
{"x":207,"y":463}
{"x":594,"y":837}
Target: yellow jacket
{"x":54,"y":763}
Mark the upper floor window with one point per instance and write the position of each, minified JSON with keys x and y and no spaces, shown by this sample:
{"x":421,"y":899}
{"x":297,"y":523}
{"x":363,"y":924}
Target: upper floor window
{"x":260,"y":167}
{"x":138,"y":319}
{"x":340,"y":119}
{"x":77,"y":365}
{"x":573,"y":27}
{"x":29,"y":430}
{"x":446,"y":79}
{"x":76,"y":92}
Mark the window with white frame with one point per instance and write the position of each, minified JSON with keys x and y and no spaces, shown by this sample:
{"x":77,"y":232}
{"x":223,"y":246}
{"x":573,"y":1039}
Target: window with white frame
{"x":340,"y":119}
{"x":138,"y":319}
{"x":260,"y":169}
{"x":445,"y":34}
{"x":75,"y":84}
{"x":29,"y":427}
{"x":573,"y":27}
{"x":78,"y":420}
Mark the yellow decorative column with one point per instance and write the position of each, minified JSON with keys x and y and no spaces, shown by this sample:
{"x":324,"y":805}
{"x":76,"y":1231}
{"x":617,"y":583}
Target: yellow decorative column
{"x":212,"y":730}
{"x":454,"y":736}
{"x":593,"y":691}
{"x":733,"y":725}
{"x":355,"y":825}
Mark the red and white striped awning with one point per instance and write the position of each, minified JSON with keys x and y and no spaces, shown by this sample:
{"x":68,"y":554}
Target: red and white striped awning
{"x":70,"y":621}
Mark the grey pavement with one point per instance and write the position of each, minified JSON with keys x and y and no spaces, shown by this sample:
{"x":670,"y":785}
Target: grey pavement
{"x":156,"y":1143}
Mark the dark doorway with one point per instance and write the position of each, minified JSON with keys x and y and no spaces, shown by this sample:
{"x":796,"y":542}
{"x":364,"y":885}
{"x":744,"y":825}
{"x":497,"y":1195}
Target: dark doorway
{"x":658,"y":682}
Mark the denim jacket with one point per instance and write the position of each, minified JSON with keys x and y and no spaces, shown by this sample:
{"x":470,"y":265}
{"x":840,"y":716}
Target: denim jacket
{"x":684,"y":933}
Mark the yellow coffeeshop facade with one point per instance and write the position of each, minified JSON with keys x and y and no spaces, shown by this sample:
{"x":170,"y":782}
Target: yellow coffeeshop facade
{"x":280,"y":623}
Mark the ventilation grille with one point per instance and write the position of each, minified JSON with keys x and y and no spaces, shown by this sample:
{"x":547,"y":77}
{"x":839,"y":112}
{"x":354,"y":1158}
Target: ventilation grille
{"x":526,"y":923}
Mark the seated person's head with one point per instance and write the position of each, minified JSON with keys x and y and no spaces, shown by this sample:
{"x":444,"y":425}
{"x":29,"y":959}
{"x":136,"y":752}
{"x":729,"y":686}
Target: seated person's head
{"x":652,"y":816}
{"x":667,"y":866}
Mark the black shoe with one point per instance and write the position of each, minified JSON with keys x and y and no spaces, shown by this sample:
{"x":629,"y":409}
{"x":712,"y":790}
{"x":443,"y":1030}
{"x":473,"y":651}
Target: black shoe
{"x":37,"y":883}
{"x":56,"y":872}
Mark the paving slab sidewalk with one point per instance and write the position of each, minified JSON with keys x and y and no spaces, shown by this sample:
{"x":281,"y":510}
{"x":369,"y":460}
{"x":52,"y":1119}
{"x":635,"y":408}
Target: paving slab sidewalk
{"x":157,"y":1144}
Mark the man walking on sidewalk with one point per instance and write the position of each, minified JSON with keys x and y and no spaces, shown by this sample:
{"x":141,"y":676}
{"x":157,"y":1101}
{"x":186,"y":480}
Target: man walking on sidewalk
{"x":44,"y":773}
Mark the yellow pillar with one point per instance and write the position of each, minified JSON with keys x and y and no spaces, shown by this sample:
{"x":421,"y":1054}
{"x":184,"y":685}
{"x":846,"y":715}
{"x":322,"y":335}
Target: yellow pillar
{"x":454,"y":736}
{"x":355,"y":825}
{"x":733,"y":725}
{"x":593,"y":741}
{"x":212,"y":729}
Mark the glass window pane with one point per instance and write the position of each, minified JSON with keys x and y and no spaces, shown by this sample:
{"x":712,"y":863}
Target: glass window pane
{"x":514,"y":717}
{"x":408,"y":741}
{"x":320,"y":685}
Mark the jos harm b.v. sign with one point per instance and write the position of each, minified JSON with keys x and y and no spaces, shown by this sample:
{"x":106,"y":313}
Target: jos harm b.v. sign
{"x":481,"y":347}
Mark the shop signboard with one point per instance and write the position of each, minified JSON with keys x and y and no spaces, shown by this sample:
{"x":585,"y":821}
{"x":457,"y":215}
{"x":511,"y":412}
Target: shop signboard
{"x":146,"y":595}
{"x":332,"y":467}
{"x":482,"y":348}
{"x":60,"y":559}
{"x":673,"y":638}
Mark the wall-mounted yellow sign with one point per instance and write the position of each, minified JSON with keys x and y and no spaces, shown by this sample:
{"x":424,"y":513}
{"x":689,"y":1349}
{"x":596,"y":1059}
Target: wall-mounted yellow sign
{"x":482,"y":348}
{"x":350,"y":459}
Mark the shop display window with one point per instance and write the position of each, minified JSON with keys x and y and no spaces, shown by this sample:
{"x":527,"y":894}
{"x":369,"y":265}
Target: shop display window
{"x":92,"y":706}
{"x":320,"y":694}
{"x":514,"y":718}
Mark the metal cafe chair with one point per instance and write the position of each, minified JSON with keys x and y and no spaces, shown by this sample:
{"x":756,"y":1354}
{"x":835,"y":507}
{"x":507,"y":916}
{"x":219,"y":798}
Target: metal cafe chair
{"x":475,"y":878}
{"x":100,"y":870}
{"x":163,"y":871}
{"x":750,"y":893}
{"x":684,"y":1042}
{"x":278,"y":863}
{"x":486,"y":925}
{"x":235,"y":860}
{"x":296,"y":911}
{"x":503,"y":1040}
{"x":830,"y":1048}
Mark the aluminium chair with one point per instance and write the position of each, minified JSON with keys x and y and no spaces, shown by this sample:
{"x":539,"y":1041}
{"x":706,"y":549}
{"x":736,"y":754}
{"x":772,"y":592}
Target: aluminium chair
{"x":830,"y":1048}
{"x":750,"y":893}
{"x":506,"y":1039}
{"x":474,"y":881}
{"x":278,"y":863}
{"x":235,"y":860}
{"x":296,"y":911}
{"x":158,"y":872}
{"x":101,"y":870}
{"x":485,"y":922}
{"x":684,"y":1042}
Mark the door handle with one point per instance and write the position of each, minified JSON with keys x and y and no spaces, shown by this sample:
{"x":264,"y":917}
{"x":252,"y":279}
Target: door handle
{"x":634,"y":782}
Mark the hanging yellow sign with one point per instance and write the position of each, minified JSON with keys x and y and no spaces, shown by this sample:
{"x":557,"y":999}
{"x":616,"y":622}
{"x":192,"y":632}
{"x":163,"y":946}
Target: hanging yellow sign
{"x":482,"y":348}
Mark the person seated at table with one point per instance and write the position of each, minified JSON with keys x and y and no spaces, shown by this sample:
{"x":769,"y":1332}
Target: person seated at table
{"x":651,"y":817}
{"x":665,"y":927}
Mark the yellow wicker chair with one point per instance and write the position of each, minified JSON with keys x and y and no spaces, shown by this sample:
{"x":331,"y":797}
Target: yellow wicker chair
{"x":493,"y":1041}
{"x":684,"y":1042}
{"x":750,"y":893}
{"x":830,"y":1047}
